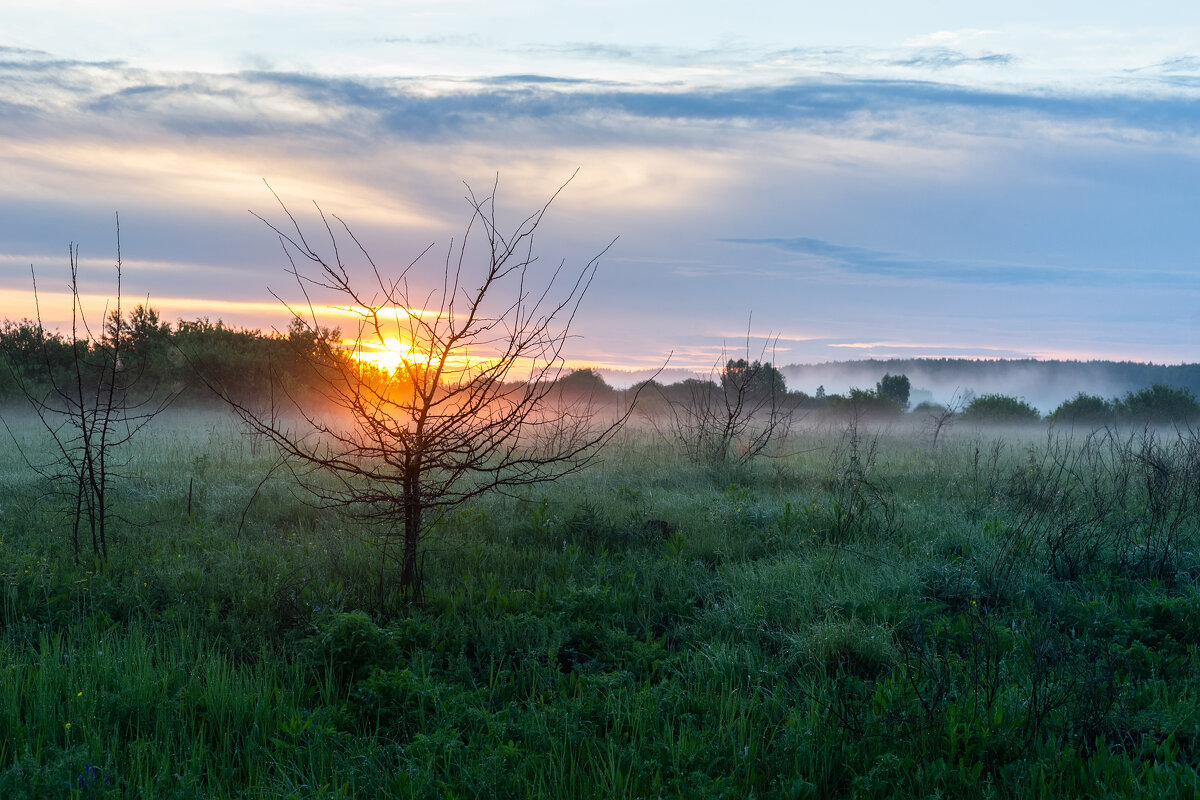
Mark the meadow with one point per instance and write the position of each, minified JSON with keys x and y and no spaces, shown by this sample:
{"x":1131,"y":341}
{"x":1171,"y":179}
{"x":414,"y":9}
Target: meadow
{"x":855,"y":614}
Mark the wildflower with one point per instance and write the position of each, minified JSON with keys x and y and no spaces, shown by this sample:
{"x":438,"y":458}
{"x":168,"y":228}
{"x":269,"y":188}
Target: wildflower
{"x":90,"y":774}
{"x":68,"y":726}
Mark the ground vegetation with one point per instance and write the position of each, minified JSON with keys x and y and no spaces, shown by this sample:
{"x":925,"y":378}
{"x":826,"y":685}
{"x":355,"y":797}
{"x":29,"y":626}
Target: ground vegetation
{"x":1011,"y":615}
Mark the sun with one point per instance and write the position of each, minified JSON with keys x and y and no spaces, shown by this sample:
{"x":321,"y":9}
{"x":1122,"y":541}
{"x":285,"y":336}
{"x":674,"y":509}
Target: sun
{"x":389,"y":354}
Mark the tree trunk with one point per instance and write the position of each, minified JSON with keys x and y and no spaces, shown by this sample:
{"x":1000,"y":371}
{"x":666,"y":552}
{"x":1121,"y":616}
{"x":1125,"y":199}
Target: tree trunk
{"x":410,"y":572}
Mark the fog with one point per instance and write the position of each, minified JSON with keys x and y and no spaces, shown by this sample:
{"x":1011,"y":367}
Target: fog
{"x":1043,"y":384}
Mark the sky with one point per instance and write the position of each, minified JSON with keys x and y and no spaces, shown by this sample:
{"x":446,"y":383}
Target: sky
{"x":873,"y":180}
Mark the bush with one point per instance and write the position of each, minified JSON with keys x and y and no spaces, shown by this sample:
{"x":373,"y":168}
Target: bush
{"x":1000,"y":409}
{"x":351,"y":645}
{"x":863,"y":404}
{"x":1159,"y":405}
{"x":1085,"y":409}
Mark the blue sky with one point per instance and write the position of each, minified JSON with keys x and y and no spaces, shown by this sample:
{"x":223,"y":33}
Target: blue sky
{"x":873,"y":180}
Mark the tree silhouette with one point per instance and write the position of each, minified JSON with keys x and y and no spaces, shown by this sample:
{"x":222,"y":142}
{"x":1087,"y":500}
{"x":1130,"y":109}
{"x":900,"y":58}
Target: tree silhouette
{"x":895,"y":388}
{"x":733,"y":415}
{"x":89,"y":400}
{"x":471,"y":408}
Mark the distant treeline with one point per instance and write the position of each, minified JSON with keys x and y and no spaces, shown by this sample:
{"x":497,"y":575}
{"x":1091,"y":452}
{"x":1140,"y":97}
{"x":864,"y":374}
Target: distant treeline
{"x":195,"y":360}
{"x":1045,"y":384}
{"x":889,"y":399}
{"x":191,"y":360}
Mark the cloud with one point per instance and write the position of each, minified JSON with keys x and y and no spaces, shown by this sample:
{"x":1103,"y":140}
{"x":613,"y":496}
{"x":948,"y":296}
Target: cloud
{"x":532,"y":106}
{"x":604,"y":51}
{"x":56,"y":307}
{"x":661,"y":55}
{"x":507,"y":80}
{"x":943,"y":58}
{"x":738,"y":56}
{"x":628,"y":112}
{"x":910,"y":350}
{"x":1180,"y":64}
{"x":819,"y":254}
{"x":437,"y":41}
{"x":6,"y":50}
{"x":1181,"y":72}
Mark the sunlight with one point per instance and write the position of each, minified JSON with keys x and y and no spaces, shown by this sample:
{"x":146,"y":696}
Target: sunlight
{"x":389,"y":353}
{"x":393,"y":352}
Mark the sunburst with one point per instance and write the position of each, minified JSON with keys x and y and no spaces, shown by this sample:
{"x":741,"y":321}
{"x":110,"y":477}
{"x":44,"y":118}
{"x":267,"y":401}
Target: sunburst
{"x":389,"y":354}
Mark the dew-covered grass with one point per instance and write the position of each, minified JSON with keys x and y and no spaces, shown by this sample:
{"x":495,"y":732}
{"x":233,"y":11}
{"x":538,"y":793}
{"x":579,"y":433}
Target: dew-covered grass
{"x":856,"y":616}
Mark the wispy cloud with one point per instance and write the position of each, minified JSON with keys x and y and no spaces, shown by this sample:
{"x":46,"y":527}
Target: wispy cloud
{"x":944,"y":58}
{"x":1181,"y":72}
{"x":55,"y":308}
{"x":1179,"y":64}
{"x":20,"y":263}
{"x":928,"y":350}
{"x":775,"y":61}
{"x":819,"y":254}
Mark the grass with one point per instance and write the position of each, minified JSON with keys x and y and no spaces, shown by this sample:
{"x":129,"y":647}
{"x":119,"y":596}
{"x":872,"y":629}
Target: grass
{"x":859,"y":617}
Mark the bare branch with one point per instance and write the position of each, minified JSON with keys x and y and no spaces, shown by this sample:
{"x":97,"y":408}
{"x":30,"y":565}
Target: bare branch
{"x":469,"y":409}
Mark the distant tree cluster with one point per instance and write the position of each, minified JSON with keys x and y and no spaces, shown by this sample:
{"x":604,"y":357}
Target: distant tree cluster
{"x":195,"y":359}
{"x":888,"y":400}
{"x":1154,"y":405}
{"x":1120,"y":377}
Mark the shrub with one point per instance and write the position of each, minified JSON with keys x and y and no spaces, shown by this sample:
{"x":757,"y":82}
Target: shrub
{"x":863,"y":404}
{"x":1159,"y":405}
{"x":1000,"y":409}
{"x":1085,"y":409}
{"x":928,"y":408}
{"x":351,"y":644}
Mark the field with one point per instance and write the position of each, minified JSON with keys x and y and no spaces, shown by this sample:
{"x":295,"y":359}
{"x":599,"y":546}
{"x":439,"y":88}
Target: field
{"x":858,"y":615}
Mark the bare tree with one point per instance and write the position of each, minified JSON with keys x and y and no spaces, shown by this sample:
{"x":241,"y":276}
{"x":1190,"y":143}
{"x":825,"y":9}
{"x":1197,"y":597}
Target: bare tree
{"x":939,"y":419}
{"x":733,"y":415}
{"x":88,"y":396}
{"x":470,"y":406}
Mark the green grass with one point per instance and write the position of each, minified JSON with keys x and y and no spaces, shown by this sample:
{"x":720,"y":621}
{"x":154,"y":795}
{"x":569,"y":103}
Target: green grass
{"x":841,"y":621}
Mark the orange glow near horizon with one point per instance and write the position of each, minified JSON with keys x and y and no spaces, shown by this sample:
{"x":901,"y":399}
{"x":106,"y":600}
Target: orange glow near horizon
{"x":392,"y":353}
{"x":389,"y":354}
